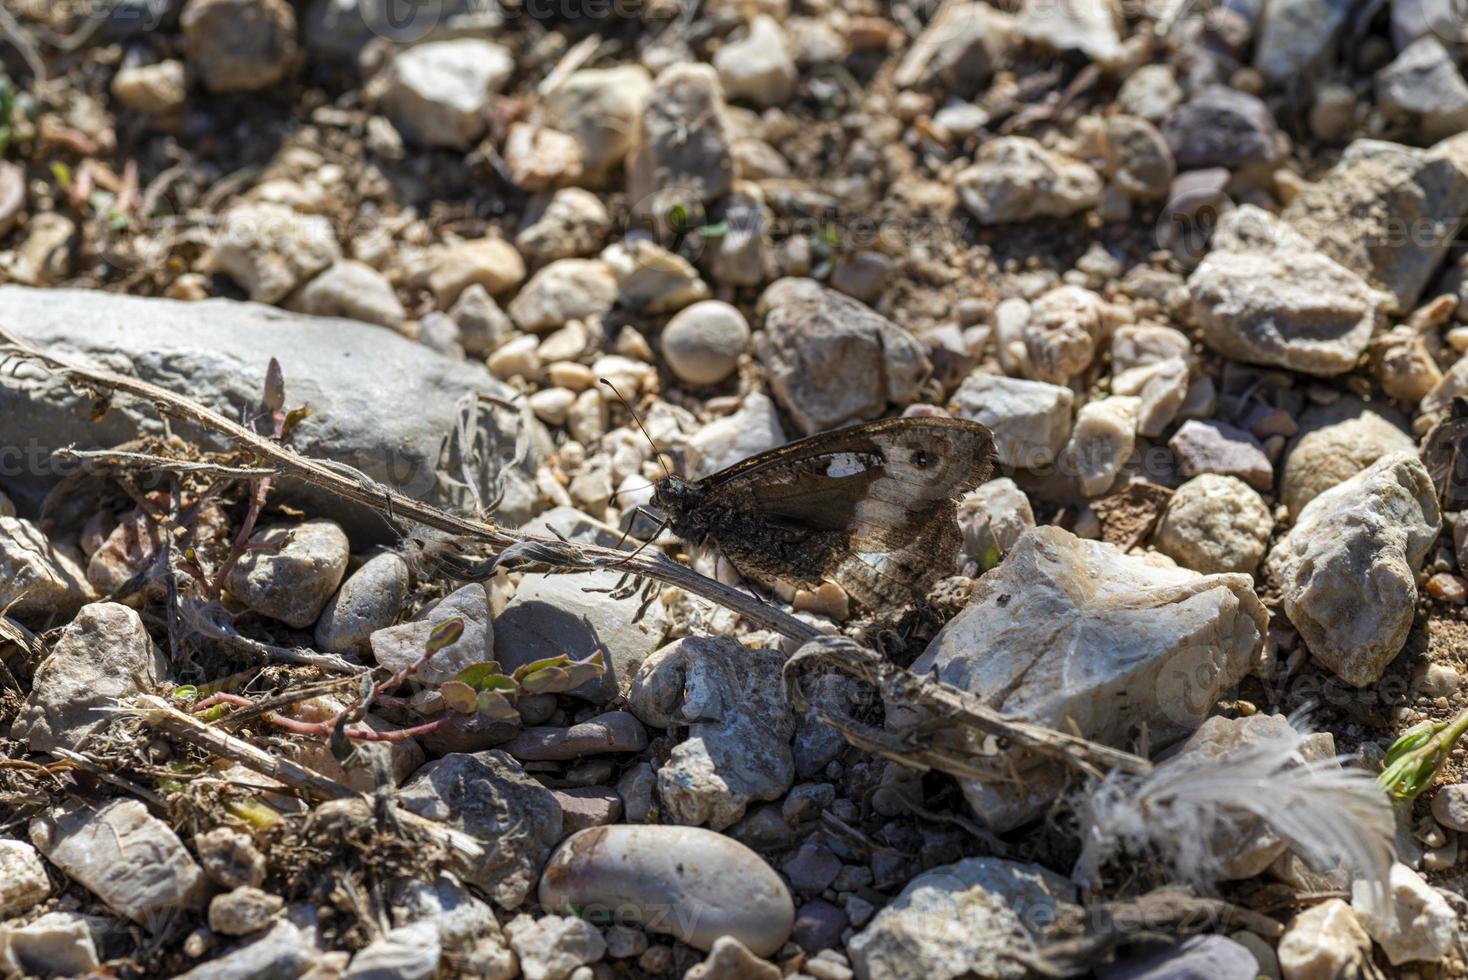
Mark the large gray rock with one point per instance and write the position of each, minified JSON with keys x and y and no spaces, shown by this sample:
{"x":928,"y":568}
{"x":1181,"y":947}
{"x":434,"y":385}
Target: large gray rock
{"x":105,"y":655}
{"x":1073,"y":633}
{"x":1348,"y":568}
{"x":959,"y":919}
{"x":739,"y":727}
{"x":1425,"y":86}
{"x":380,"y":403}
{"x":1030,"y":419}
{"x":1387,"y":212}
{"x":833,"y":360}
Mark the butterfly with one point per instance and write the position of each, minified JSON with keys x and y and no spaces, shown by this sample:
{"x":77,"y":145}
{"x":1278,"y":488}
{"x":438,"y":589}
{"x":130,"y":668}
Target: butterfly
{"x":871,"y":507}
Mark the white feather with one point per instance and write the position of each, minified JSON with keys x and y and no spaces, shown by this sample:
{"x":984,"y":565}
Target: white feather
{"x":1333,"y":815}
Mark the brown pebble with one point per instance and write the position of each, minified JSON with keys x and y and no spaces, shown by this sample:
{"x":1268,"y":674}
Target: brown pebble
{"x":1448,"y":588}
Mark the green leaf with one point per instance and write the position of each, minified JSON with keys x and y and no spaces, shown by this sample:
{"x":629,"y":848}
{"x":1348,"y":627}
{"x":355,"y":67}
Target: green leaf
{"x":494,"y":705}
{"x":460,"y":697}
{"x":485,"y":677}
{"x":62,"y":173}
{"x":445,"y":634}
{"x":555,"y":675}
{"x":717,"y":230}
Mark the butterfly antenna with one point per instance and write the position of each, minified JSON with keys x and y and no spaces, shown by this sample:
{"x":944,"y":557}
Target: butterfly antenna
{"x":633,"y":412}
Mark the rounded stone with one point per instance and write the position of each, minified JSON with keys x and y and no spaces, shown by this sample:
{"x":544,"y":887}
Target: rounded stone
{"x":240,"y":45}
{"x":369,"y":600}
{"x":1215,"y":524}
{"x":702,"y":343}
{"x":688,"y":882}
{"x":291,"y":570}
{"x":1336,"y":442}
{"x":1450,"y":806}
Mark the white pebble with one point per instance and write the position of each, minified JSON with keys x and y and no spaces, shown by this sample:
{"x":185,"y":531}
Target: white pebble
{"x":702,"y":343}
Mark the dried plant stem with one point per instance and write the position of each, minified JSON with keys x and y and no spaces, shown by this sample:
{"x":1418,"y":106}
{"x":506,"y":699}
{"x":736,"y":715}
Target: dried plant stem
{"x":158,"y":714}
{"x":287,"y":464}
{"x":959,"y":707}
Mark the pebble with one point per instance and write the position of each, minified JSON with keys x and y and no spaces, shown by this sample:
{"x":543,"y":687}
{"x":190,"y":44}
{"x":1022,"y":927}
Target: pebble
{"x":37,"y":578}
{"x":159,"y":89}
{"x":811,"y":869}
{"x":566,"y":289}
{"x":1101,"y":441}
{"x":1336,"y":442}
{"x":1030,"y":419}
{"x":539,"y":158}
{"x":960,"y":48}
{"x":283,"y":951}
{"x":1450,"y":806}
{"x":613,"y":731}
{"x":1139,"y":629}
{"x":758,"y":67}
{"x":1425,"y":86}
{"x":832,"y":360}
{"x":12,"y":196}
{"x":488,"y":796}
{"x":998,"y":512}
{"x":1015,"y":179}
{"x":1090,"y":29}
{"x":1215,"y":524}
{"x":1418,"y":925}
{"x":1215,"y":447}
{"x":291,"y":570}
{"x":1151,"y":92}
{"x":489,"y":262}
{"x":651,"y":279}
{"x":370,"y":599}
{"x":104,"y":656}
{"x":1138,"y":158}
{"x":243,"y":911}
{"x":729,"y":959}
{"x":239,"y":45}
{"x":517,"y":358}
{"x":661,"y":873}
{"x":1298,"y":38}
{"x":483,"y":326}
{"x":55,"y":944}
{"x":1263,"y":295}
{"x":553,"y":947}
{"x":122,"y":854}
{"x":737,"y":750}
{"x":23,"y":880}
{"x":703,"y":342}
{"x":1448,"y":588}
{"x":957,"y":920}
{"x":552,"y":405}
{"x":230,"y":858}
{"x":683,"y":156}
{"x":439,"y":93}
{"x":1374,"y":191}
{"x":271,"y":250}
{"x":600,"y":107}
{"x":624,"y":942}
{"x":1214,"y":957}
{"x":754,"y":428}
{"x":351,"y":289}
{"x":1222,"y":127}
{"x":573,"y":223}
{"x":396,"y":647}
{"x":587,"y":806}
{"x":1376,"y":527}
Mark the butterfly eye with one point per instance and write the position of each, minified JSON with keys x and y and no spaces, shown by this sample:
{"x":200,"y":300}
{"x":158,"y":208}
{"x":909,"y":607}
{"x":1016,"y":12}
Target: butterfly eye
{"x":921,"y":459}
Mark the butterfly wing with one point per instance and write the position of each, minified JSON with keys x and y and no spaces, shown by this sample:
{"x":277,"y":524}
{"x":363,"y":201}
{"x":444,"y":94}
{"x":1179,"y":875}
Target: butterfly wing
{"x":870,"y":507}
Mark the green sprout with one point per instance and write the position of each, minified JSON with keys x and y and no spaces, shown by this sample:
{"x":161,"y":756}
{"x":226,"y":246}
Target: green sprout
{"x":1418,"y":753}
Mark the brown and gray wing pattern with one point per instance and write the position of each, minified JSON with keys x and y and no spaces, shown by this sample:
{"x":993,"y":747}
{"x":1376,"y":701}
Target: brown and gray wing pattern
{"x":871,"y":507}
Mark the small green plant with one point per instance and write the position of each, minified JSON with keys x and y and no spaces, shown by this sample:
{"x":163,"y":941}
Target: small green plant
{"x":1418,"y":753}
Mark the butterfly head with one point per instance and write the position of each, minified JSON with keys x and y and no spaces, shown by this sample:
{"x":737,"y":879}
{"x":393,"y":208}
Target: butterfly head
{"x":680,"y":500}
